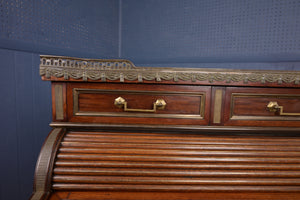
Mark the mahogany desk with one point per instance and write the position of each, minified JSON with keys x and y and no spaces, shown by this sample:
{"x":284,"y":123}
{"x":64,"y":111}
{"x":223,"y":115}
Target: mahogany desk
{"x":127,"y":132}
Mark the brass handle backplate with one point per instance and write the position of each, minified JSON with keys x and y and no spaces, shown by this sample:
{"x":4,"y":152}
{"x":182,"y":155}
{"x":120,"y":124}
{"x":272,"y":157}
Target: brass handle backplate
{"x":159,"y":104}
{"x":274,"y":107}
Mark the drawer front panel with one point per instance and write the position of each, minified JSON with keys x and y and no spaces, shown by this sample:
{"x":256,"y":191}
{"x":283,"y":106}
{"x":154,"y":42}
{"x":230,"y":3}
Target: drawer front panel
{"x":249,"y":106}
{"x":96,"y":102}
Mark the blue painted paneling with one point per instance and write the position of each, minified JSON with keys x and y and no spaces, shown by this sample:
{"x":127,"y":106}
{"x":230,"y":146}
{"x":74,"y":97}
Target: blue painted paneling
{"x":24,"y":112}
{"x":193,"y":31}
{"x":9,"y":167}
{"x":25,"y":104}
{"x":33,"y":109}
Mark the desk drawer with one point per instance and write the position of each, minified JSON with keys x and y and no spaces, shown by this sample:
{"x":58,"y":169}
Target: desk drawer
{"x":138,"y":104}
{"x":262,"y":107}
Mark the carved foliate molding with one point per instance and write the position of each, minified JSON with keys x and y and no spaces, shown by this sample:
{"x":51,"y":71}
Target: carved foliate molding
{"x":124,"y":70}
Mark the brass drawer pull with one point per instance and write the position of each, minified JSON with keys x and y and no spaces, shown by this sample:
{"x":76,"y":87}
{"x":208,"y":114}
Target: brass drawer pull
{"x":274,"y":107}
{"x":159,"y":104}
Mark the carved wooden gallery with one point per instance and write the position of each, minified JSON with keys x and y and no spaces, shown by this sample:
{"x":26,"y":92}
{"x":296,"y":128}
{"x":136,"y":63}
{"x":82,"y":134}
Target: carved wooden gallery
{"x":127,"y":132}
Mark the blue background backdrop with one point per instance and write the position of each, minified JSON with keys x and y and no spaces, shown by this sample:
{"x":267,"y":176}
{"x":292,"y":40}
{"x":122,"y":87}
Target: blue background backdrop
{"x":252,"y":34}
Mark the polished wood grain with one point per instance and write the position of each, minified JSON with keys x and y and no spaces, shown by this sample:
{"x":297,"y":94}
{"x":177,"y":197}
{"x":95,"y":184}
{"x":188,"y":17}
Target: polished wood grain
{"x":248,"y":106}
{"x":176,"y":163}
{"x":185,"y":104}
{"x":190,"y":195}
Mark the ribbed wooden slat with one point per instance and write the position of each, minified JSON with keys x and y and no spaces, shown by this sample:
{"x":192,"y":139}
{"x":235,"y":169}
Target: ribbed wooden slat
{"x":184,"y":136}
{"x":179,"y":146}
{"x":174,"y":180}
{"x":185,"y":188}
{"x":173,"y":172}
{"x":168,"y":165}
{"x":179,"y":141}
{"x":176,"y":138}
{"x":153,"y":158}
{"x":100,"y":151}
{"x":186,"y":162}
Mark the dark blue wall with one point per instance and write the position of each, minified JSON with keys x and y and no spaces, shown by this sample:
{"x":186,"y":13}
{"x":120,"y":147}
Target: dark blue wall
{"x":63,"y":27}
{"x":197,"y":33}
{"x":181,"y":33}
